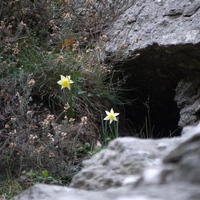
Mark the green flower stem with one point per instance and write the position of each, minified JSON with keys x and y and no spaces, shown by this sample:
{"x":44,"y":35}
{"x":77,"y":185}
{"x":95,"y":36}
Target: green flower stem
{"x":104,"y":129}
{"x":109,"y":133}
{"x":111,"y":129}
{"x":117,"y":129}
{"x":114,"y":129}
{"x":71,"y":108}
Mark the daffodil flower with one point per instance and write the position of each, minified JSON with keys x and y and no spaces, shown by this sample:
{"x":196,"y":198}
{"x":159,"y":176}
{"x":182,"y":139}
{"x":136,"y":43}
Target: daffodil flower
{"x":111,"y":116}
{"x":65,"y":82}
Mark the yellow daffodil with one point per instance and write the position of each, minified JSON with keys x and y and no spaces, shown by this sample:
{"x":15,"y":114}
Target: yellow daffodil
{"x":111,"y":116}
{"x":65,"y":82}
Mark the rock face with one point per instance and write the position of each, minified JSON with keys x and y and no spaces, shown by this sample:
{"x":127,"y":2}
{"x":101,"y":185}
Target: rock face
{"x":158,"y":44}
{"x":187,"y":98}
{"x":158,"y":23}
{"x":122,"y":162}
{"x":143,"y":169}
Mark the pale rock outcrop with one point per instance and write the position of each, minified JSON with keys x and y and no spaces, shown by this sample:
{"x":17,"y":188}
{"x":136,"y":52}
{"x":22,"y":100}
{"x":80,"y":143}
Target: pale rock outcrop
{"x":122,"y":162}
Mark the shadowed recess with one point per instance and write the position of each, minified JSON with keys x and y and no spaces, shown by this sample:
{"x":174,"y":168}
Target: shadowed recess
{"x":152,"y":80}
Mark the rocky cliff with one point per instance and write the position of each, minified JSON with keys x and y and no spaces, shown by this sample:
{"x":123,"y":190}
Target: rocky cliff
{"x":158,"y":43}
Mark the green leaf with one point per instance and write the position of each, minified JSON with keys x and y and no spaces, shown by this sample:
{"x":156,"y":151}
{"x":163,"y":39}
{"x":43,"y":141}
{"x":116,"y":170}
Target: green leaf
{"x":45,"y":173}
{"x":90,"y":94}
{"x":82,"y":92}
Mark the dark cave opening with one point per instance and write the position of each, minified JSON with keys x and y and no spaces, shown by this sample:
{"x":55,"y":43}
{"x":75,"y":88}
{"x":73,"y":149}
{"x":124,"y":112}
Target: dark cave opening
{"x":150,"y":116}
{"x":151,"y":86}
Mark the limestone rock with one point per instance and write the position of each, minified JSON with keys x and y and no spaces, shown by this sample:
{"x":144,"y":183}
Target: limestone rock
{"x":181,"y":164}
{"x":162,"y":22}
{"x":163,"y":192}
{"x":122,"y":162}
{"x":188,"y":100}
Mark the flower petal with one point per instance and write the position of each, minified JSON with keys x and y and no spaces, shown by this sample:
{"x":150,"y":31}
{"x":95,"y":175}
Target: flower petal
{"x":62,"y":77}
{"x":59,"y":82}
{"x":106,"y":118}
{"x":107,"y":113}
{"x":116,"y":114}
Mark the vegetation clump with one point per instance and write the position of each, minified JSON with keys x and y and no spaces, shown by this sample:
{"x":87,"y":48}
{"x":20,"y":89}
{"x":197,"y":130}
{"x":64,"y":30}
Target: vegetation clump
{"x":46,"y":131}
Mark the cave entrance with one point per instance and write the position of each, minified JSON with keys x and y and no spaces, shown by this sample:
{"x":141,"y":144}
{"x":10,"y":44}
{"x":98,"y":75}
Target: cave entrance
{"x":152,"y":79}
{"x":152,"y":115}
